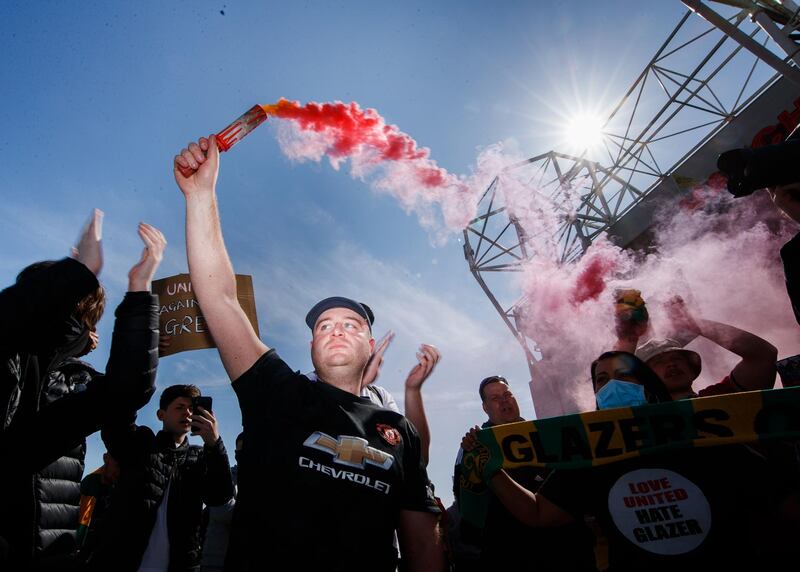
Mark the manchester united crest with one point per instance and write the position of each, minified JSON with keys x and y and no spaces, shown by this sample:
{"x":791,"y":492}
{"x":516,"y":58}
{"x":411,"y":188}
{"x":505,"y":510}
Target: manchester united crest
{"x":389,"y":434}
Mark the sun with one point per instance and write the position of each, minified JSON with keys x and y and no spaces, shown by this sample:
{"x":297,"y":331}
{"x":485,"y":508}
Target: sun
{"x":584,"y":132}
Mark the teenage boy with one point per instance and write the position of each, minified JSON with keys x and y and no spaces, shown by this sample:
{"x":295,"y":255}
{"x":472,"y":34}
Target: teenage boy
{"x":156,"y":510}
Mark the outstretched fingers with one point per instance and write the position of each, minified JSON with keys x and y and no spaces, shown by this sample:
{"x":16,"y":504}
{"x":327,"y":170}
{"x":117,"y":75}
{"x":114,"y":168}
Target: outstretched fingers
{"x":373,"y":369}
{"x":89,"y":249}
{"x":383,"y":343}
{"x":153,"y":239}
{"x":141,"y":274}
{"x":427,"y":358}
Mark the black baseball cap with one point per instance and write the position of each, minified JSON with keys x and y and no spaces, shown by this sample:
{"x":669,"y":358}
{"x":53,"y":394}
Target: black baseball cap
{"x":339,"y":302}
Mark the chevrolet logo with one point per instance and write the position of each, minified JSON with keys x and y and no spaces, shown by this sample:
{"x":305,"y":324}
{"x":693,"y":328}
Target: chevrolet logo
{"x":350,"y":451}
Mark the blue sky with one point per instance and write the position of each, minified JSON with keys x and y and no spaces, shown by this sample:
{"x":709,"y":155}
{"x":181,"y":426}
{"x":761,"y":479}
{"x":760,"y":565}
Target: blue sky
{"x":98,"y":97}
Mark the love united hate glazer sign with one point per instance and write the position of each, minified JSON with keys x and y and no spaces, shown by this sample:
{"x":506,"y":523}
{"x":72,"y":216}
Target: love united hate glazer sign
{"x":180,"y":317}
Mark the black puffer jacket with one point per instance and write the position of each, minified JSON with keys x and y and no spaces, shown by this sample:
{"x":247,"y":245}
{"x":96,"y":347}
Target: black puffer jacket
{"x":56,"y":488}
{"x":148,"y":462}
{"x":50,"y":402}
{"x":57,"y":496}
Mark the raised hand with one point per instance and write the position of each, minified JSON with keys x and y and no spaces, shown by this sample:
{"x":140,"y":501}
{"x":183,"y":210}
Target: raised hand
{"x":427,"y":356}
{"x":373,"y":368}
{"x":630,"y":313}
{"x":141,"y":274}
{"x":197,"y":166}
{"x":204,"y":424}
{"x":89,"y":249}
{"x":681,"y":319}
{"x":470,"y":440}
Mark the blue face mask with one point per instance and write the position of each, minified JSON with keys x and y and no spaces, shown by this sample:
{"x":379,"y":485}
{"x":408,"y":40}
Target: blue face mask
{"x":618,"y":393}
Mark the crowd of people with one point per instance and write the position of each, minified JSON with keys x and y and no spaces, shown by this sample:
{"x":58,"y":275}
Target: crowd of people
{"x":329,"y":473}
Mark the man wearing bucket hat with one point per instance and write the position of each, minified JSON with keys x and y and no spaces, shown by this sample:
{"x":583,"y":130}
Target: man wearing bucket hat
{"x":679,"y":367}
{"x":325,"y":476}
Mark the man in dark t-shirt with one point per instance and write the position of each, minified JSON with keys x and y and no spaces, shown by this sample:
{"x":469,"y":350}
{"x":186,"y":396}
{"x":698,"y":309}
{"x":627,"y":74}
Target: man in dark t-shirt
{"x":340,"y":464}
{"x":325,"y":477}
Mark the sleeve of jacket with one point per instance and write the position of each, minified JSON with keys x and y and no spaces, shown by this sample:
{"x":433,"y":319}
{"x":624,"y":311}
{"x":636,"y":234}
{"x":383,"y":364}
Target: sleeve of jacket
{"x":34,"y":310}
{"x":131,"y":370}
{"x":218,"y":485}
{"x":125,"y":441}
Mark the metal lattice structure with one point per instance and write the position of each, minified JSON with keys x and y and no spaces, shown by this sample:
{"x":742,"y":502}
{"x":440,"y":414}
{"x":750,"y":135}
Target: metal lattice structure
{"x":678,"y":103}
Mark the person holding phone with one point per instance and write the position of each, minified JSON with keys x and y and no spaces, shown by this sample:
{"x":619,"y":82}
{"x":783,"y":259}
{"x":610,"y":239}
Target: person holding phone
{"x":155,"y":514}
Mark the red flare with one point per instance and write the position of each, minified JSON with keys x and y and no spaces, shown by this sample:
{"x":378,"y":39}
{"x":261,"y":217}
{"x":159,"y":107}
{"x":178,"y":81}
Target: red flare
{"x":243,"y":125}
{"x":349,"y":132}
{"x":234,"y":132}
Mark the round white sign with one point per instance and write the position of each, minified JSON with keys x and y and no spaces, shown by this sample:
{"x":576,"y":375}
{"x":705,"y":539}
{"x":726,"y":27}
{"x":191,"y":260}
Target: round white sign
{"x":660,"y":511}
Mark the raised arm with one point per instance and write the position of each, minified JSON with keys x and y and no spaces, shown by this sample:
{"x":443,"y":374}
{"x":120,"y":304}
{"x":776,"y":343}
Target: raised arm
{"x":757,"y":368}
{"x":428,"y":357}
{"x":133,"y":360}
{"x":213,"y":280}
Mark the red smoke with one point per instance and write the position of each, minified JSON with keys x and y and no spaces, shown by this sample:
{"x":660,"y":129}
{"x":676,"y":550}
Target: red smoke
{"x":591,"y":281}
{"x":351,"y":129}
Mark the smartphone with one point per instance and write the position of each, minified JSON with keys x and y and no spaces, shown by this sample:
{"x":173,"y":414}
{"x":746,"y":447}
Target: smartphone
{"x":203,"y":401}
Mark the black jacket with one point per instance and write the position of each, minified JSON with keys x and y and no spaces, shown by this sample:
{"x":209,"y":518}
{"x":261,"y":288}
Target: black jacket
{"x":56,"y":488}
{"x":149,"y":462}
{"x":50,"y":402}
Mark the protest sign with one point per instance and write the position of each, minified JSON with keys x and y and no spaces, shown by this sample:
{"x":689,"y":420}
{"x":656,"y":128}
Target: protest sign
{"x":180,"y":317}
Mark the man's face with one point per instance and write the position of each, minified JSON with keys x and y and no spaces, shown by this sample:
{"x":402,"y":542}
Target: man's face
{"x":675,"y":371}
{"x":177,"y":417}
{"x":500,"y":404}
{"x":341,"y":338}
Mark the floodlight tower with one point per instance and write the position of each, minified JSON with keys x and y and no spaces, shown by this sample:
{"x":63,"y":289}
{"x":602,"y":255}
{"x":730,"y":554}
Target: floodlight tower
{"x":716,"y":82}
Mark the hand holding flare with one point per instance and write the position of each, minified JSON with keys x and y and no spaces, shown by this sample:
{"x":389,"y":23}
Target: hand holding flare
{"x":233,"y":133}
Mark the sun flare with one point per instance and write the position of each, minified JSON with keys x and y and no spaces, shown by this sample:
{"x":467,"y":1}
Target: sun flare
{"x":584,"y":131}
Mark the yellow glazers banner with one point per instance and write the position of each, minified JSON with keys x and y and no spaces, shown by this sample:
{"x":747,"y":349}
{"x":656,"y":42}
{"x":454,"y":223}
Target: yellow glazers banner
{"x":600,"y":437}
